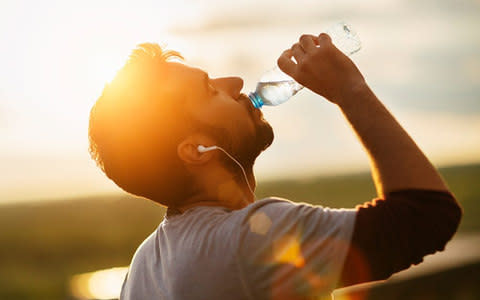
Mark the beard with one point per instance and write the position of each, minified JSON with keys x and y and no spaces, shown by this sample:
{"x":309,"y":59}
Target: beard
{"x":247,"y":149}
{"x":244,"y":148}
{"x":250,"y":149}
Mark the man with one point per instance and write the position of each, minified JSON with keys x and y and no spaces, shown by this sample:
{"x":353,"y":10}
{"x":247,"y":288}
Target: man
{"x":149,"y":130}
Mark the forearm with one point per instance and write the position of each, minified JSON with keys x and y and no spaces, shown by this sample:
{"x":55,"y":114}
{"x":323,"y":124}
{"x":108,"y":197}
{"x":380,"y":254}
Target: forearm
{"x":396,"y":161}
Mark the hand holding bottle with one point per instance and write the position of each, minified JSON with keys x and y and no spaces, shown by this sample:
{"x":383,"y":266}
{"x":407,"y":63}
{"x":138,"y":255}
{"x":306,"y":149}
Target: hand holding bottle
{"x":275,"y":87}
{"x":321,"y":67}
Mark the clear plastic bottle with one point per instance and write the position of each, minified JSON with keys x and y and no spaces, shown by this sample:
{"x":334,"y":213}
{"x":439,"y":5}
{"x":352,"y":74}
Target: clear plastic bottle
{"x":276,"y":87}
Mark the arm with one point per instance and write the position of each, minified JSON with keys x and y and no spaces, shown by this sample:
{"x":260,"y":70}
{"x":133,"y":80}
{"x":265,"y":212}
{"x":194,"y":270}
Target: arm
{"x":414,"y":214}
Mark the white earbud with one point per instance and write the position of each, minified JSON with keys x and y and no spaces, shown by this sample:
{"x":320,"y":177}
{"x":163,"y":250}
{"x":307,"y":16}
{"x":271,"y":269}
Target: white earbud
{"x":202,"y":148}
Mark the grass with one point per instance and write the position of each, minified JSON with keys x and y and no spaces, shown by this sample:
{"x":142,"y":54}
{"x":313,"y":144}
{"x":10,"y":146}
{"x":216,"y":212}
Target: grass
{"x":44,"y":244}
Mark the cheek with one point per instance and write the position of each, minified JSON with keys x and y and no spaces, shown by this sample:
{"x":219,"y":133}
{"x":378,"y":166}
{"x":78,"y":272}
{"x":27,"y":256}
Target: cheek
{"x":245,"y":120}
{"x":240,"y":124}
{"x":234,"y":117}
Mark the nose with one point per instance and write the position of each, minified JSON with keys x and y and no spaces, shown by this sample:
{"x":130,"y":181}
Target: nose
{"x":230,"y":85}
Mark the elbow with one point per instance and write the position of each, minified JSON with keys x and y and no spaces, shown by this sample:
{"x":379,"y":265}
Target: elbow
{"x":434,"y":226}
{"x":456,"y":216}
{"x":447,"y":221}
{"x":434,"y":217}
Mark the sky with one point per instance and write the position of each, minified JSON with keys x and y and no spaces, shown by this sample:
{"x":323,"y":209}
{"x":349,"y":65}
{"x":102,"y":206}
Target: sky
{"x":421,"y":58}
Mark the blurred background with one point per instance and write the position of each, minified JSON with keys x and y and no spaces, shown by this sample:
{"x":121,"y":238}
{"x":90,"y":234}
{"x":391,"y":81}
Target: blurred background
{"x":61,"y":217}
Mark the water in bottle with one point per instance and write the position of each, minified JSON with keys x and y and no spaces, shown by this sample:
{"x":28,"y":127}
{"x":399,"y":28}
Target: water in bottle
{"x":276,"y":87}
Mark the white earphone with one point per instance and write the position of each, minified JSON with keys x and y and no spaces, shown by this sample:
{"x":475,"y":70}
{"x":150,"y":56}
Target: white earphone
{"x":203,"y":149}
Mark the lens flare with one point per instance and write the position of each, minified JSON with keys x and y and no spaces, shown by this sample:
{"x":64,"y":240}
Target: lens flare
{"x":103,"y":284}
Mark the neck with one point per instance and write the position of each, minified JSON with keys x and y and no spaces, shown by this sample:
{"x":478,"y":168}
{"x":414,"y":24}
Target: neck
{"x":222,"y":188}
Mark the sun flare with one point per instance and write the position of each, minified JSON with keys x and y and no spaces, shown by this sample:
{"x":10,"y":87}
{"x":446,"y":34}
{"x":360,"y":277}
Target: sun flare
{"x":103,"y":284}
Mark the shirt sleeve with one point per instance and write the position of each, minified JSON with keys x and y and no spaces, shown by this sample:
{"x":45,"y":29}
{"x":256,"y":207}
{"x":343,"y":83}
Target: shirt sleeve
{"x":293,"y":251}
{"x":393,"y":233}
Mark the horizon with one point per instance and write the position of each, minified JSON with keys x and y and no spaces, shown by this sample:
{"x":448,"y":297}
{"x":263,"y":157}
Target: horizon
{"x":120,"y":193}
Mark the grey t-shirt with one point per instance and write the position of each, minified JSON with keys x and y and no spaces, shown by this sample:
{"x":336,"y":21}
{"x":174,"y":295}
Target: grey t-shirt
{"x":271,"y":249}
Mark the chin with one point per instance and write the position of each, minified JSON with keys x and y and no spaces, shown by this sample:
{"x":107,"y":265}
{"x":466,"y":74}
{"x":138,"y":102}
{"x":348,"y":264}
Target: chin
{"x":265,"y":136}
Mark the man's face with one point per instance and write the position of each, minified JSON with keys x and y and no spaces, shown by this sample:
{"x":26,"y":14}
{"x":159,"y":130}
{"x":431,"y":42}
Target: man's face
{"x":216,"y":105}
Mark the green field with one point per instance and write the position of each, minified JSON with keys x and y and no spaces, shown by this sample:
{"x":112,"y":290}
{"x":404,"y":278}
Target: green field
{"x":44,"y":244}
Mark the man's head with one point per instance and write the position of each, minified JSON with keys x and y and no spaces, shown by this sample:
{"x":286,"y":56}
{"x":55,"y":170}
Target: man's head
{"x":147,"y":124}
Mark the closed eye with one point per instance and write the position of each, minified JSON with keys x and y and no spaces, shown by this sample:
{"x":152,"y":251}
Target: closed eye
{"x":211,"y":89}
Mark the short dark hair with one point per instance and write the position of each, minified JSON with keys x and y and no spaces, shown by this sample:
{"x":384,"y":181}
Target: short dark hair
{"x":136,"y":125}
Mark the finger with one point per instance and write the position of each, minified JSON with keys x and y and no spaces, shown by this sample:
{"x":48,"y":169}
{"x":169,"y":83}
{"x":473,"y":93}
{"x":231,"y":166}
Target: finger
{"x":307,"y":42}
{"x":285,"y":62}
{"x":324,"y":40}
{"x":298,"y":52}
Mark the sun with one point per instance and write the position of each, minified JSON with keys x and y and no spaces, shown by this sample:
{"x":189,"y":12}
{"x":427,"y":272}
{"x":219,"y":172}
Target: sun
{"x":104,"y":65}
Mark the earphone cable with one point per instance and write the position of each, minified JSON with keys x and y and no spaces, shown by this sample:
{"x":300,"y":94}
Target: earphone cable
{"x":241,"y":167}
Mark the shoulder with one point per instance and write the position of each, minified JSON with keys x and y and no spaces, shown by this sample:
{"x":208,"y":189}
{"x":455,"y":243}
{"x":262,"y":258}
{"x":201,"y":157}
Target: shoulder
{"x":270,"y":218}
{"x":283,"y":210}
{"x":145,"y":248}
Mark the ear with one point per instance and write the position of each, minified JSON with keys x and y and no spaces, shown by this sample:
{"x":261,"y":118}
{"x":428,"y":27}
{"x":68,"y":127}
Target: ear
{"x":188,"y":152}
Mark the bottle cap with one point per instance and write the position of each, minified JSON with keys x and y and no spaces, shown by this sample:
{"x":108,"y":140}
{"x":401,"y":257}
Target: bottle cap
{"x":257,"y":101}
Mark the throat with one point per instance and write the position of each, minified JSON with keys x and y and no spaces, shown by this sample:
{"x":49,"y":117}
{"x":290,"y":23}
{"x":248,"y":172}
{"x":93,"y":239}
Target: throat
{"x":228,"y":194}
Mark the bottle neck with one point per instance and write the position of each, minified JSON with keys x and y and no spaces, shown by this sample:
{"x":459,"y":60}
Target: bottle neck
{"x":257,"y":101}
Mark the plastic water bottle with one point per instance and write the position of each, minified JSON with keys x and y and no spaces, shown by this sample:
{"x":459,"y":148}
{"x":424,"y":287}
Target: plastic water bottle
{"x":276,"y":87}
